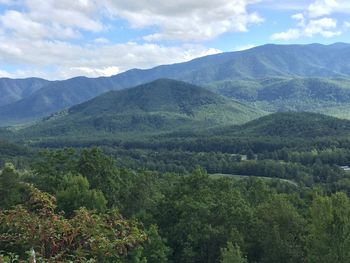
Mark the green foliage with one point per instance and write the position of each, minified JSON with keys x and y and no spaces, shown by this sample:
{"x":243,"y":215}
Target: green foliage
{"x":323,"y":95}
{"x":159,"y":106}
{"x":76,"y":193}
{"x":155,"y":250}
{"x":200,"y":220}
{"x":198,"y":217}
{"x":10,"y":187}
{"x":50,"y":168}
{"x":281,"y":231}
{"x":304,"y":125}
{"x":232,"y":254}
{"x":101,"y":172}
{"x":329,"y":239}
{"x":86,"y":236}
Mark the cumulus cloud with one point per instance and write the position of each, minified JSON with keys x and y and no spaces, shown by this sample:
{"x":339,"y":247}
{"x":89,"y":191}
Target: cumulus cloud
{"x":92,"y":60}
{"x":326,"y":7}
{"x":51,"y":19}
{"x":60,"y":39}
{"x":23,"y":26}
{"x":82,"y":14}
{"x":186,"y":20}
{"x":325,"y":27}
{"x":316,"y":20}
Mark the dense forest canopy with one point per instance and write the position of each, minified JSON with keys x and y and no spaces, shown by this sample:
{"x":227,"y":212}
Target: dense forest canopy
{"x":240,"y":157}
{"x":273,"y":190}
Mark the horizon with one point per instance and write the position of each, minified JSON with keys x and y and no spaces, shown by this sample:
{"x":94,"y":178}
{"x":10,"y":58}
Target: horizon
{"x":95,"y":77}
{"x":60,"y":40}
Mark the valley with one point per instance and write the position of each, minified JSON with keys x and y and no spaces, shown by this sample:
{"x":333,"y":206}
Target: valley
{"x":234,"y":157}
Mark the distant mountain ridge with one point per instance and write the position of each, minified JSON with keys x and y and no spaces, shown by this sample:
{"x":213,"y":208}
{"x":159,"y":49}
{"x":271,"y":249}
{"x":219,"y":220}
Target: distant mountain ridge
{"x":12,"y":90}
{"x":263,"y":62}
{"x":162,"y":105}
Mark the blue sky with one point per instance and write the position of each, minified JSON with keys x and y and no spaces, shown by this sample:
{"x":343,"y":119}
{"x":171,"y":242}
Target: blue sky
{"x":62,"y":39}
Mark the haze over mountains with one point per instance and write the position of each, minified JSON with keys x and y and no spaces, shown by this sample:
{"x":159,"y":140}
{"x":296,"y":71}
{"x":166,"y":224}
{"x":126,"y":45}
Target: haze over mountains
{"x":272,"y":77}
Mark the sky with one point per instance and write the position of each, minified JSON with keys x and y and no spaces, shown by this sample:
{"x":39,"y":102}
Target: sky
{"x":60,"y":39}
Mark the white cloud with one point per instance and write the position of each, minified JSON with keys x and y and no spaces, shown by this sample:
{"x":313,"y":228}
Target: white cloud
{"x":244,"y":47}
{"x":289,"y":5}
{"x":91,"y":59}
{"x":101,"y":40}
{"x":82,"y":14}
{"x":184,"y":20}
{"x":321,"y":8}
{"x":316,"y":20}
{"x":325,"y":27}
{"x":46,"y":38}
{"x":50,"y":19}
{"x":5,"y":74}
{"x":8,"y":2}
{"x":300,"y":18}
{"x":92,"y":72}
{"x":187,"y":20}
{"x":287,"y":35}
{"x":24,"y":27}
{"x":346,"y":24}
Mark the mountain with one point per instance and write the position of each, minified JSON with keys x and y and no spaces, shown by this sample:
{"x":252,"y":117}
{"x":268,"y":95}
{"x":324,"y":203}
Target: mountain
{"x":291,"y":124}
{"x":162,"y":105}
{"x":55,"y":96}
{"x":267,"y":61}
{"x":12,"y":90}
{"x":323,"y":95}
{"x":263,"y":62}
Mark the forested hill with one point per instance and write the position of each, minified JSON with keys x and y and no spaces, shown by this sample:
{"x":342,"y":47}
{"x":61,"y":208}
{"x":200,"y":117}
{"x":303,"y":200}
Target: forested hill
{"x":291,"y":124}
{"x":268,"y":61}
{"x":162,"y":105}
{"x":324,"y":95}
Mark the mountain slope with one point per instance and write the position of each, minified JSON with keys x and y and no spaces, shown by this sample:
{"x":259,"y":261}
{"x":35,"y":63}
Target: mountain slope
{"x":268,"y":61}
{"x":162,"y":105}
{"x":265,"y":61}
{"x":55,"y":96}
{"x":291,"y":124}
{"x":322,"y":95}
{"x":12,"y":90}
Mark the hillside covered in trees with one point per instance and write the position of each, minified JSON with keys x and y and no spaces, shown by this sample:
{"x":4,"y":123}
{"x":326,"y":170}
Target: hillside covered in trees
{"x":310,"y":77}
{"x":275,"y":189}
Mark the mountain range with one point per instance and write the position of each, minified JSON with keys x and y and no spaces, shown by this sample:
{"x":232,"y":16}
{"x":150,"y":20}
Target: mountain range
{"x":162,"y":105}
{"x":272,"y":77}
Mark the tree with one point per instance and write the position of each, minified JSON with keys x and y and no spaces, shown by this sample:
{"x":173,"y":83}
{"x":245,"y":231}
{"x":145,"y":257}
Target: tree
{"x":76,"y":193}
{"x":329,"y":239}
{"x":232,"y":254}
{"x":86,"y":236}
{"x":101,"y":172}
{"x":155,"y":250}
{"x":10,"y":187}
{"x":199,"y":215}
{"x":50,"y":168}
{"x":280,"y":231}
